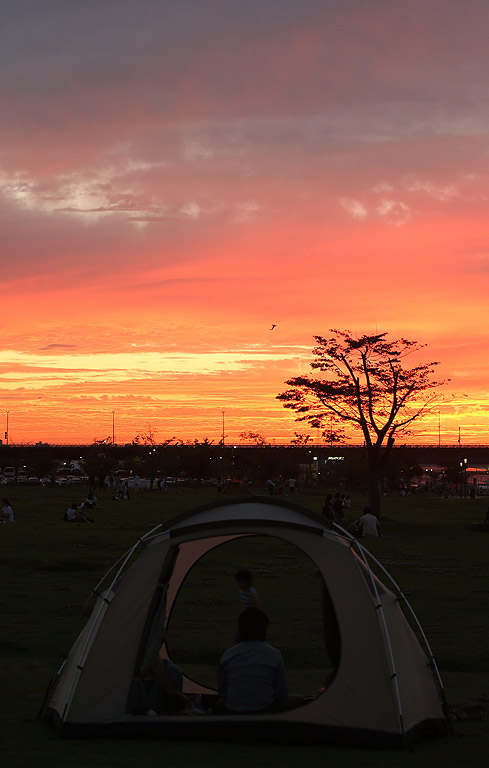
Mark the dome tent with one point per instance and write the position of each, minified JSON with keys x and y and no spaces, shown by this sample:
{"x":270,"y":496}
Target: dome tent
{"x":386,"y":690}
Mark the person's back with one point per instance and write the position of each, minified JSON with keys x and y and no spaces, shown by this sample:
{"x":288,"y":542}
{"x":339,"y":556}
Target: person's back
{"x":251,"y":675}
{"x":369,"y":525}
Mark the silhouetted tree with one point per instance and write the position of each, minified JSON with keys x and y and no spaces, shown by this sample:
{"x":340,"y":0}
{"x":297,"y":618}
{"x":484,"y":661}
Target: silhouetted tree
{"x":255,"y":437}
{"x":300,"y":439}
{"x":367,"y":388}
{"x":104,"y":441}
{"x":148,"y":437}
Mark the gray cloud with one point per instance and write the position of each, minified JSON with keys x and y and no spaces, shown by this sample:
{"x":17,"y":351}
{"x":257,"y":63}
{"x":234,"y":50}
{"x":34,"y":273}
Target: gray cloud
{"x":58,"y":346}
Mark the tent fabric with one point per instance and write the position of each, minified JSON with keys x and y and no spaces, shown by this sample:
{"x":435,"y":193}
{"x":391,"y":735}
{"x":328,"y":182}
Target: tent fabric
{"x":383,"y":692}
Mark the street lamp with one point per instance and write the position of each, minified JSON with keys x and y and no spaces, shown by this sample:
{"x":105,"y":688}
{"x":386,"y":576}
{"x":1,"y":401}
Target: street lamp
{"x":113,"y":427}
{"x":6,"y":431}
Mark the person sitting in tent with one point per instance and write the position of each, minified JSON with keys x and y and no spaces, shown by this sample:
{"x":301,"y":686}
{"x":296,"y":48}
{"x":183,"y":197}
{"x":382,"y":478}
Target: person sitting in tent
{"x":251,"y":676}
{"x":161,"y":689}
{"x":165,"y":690}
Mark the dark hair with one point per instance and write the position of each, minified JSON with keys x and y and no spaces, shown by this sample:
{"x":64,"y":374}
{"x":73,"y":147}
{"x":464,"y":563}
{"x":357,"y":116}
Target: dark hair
{"x":367,"y":511}
{"x":6,"y":502}
{"x":243,"y":574}
{"x":253,"y":624}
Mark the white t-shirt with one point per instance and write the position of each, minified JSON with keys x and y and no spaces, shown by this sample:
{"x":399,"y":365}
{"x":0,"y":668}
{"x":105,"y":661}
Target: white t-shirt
{"x":368,"y":524}
{"x":70,"y":514}
{"x":251,"y":676}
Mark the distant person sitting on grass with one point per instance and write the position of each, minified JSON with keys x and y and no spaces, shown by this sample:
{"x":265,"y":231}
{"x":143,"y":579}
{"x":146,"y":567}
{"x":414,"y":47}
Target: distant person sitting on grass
{"x":76,"y":514}
{"x":367,"y":526}
{"x":122,"y":492}
{"x":90,"y":502}
{"x":6,"y":513}
{"x":251,"y":675}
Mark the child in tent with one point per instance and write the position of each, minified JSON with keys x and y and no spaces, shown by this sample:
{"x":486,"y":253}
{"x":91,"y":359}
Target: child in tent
{"x":247,"y":592}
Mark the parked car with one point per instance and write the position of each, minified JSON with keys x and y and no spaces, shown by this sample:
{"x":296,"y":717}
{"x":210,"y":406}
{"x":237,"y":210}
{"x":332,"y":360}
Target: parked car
{"x":45,"y":480}
{"x":143,"y":482}
{"x":33,"y":480}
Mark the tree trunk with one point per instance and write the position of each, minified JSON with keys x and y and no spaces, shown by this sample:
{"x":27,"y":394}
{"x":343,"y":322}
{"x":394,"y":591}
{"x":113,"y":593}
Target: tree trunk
{"x":374,"y":496}
{"x":376,"y":457}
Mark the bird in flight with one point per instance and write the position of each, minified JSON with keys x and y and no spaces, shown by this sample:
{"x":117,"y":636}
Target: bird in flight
{"x":273,"y":326}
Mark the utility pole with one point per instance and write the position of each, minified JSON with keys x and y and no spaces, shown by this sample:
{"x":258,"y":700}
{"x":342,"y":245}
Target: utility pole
{"x":113,"y":427}
{"x":222,"y":428}
{"x":6,"y":431}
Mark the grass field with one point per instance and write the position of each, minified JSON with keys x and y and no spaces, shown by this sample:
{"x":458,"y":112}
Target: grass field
{"x":48,"y":569}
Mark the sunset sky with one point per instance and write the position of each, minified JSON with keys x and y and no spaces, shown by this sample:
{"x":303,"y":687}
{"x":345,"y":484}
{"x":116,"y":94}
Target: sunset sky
{"x":178,"y":175}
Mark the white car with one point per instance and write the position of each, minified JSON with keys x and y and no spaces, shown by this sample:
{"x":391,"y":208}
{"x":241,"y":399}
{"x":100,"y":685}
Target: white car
{"x":143,"y":482}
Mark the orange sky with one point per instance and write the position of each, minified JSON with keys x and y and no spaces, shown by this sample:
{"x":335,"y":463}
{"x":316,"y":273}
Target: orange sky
{"x":176,"y":177}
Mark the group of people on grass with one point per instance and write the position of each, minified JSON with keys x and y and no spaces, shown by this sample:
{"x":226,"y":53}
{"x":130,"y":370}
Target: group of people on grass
{"x":335,"y":508}
{"x":279,"y":486}
{"x":79,"y":512}
{"x":366,"y":526}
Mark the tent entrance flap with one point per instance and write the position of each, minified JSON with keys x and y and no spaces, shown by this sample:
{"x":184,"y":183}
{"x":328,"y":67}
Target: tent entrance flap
{"x":152,"y":636}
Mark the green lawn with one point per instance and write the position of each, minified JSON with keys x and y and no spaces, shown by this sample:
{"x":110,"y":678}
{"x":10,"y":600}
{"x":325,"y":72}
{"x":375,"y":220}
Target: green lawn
{"x":48,"y":569}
